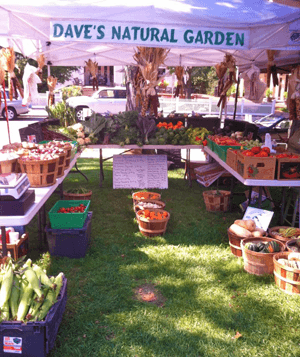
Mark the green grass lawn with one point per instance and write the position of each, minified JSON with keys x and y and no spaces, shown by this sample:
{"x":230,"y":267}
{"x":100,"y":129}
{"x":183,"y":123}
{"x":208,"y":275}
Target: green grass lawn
{"x":203,"y":295}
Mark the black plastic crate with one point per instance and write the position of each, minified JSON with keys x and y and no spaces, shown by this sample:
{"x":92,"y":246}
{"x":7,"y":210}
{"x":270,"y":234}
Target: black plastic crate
{"x":33,"y":339}
{"x":33,"y":132}
{"x":70,"y":243}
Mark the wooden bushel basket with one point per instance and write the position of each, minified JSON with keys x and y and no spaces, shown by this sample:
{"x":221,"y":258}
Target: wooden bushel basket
{"x":290,"y":244}
{"x":273,"y":232}
{"x":77,"y":196}
{"x":259,"y":263}
{"x":286,"y":278}
{"x":61,"y":164}
{"x":138,"y":206}
{"x":40,"y":173}
{"x":136,"y":198}
{"x":217,"y":201}
{"x":68,"y":158}
{"x":8,"y":166}
{"x":152,"y":228}
{"x":235,"y":244}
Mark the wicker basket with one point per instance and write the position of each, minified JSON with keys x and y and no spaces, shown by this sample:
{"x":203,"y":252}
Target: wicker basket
{"x":286,"y":278}
{"x":289,"y":245}
{"x":217,"y":200}
{"x":8,"y":166}
{"x":138,"y":207}
{"x":68,"y":158}
{"x":40,"y":173}
{"x":152,"y":228}
{"x":259,"y":263}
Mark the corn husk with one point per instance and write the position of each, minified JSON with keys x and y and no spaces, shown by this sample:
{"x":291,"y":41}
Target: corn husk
{"x":51,"y":83}
{"x":8,"y":63}
{"x":149,"y":59}
{"x":41,"y":61}
{"x":92,"y":67}
{"x":179,"y":71}
{"x":271,"y":68}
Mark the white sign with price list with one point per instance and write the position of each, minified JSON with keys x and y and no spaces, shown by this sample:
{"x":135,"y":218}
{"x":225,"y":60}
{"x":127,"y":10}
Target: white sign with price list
{"x":140,"y":171}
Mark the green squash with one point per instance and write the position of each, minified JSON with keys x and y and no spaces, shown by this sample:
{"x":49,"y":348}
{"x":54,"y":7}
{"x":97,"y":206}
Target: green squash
{"x":260,"y":246}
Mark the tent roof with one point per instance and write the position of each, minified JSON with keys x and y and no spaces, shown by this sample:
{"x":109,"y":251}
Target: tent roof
{"x":266,"y":25}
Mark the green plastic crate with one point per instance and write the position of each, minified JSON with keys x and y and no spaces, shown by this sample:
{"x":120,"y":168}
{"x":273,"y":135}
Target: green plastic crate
{"x":210,"y":144}
{"x":68,"y":220}
{"x":221,"y":150}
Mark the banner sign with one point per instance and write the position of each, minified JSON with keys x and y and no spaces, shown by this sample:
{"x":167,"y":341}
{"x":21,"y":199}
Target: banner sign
{"x":157,"y":36}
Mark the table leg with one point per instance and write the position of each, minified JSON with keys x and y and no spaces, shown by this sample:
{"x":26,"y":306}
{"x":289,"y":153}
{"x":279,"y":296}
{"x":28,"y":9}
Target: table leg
{"x":188,"y":167}
{"x":41,"y":226}
{"x":3,"y":240}
{"x":101,"y":168}
{"x":260,"y":196}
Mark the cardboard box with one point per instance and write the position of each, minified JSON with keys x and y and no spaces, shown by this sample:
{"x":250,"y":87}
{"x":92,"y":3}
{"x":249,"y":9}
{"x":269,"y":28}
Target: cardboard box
{"x":259,"y":168}
{"x":221,"y":150}
{"x":231,"y":159}
{"x":288,"y":168}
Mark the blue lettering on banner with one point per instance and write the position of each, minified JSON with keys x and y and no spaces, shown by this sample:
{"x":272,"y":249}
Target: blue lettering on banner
{"x":87,"y":31}
{"x":100,"y":32}
{"x":57,"y":27}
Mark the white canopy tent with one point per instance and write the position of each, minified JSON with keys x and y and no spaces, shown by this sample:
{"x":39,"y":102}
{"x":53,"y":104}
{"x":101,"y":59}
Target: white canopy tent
{"x":198,"y":33}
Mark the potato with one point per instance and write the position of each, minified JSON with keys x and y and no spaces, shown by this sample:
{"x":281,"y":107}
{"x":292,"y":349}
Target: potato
{"x":248,"y":224}
{"x":240,"y":231}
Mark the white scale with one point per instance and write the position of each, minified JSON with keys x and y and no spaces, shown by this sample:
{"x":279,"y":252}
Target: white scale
{"x":13,"y":185}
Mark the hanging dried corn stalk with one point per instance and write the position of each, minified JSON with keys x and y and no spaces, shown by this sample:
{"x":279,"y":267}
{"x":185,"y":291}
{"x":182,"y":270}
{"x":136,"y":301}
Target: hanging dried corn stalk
{"x":8,"y":63}
{"x":93,"y":68}
{"x":138,"y":84}
{"x":149,"y":59}
{"x":179,"y":71}
{"x":51,"y":82}
{"x":271,"y":69}
{"x":292,"y":83}
{"x":2,"y":82}
{"x":41,"y":64}
{"x":2,"y":79}
{"x":226,"y":81}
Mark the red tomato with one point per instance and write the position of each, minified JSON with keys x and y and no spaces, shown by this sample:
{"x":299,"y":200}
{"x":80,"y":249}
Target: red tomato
{"x":256,"y":149}
{"x":266,"y":149}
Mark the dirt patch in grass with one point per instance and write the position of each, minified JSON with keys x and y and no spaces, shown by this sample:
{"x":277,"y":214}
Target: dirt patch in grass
{"x":148,"y":293}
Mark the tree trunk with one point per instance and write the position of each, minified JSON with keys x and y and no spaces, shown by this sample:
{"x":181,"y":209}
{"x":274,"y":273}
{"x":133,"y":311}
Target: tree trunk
{"x":130,"y":91}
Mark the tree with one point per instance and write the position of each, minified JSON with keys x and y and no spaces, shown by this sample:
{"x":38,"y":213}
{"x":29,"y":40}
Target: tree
{"x":62,"y":73}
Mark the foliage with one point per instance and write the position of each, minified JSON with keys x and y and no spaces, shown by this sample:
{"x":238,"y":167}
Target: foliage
{"x":204,"y":80}
{"x":231,"y":90}
{"x":62,"y":73}
{"x":63,"y":112}
{"x":269,"y":93}
{"x":163,"y":83}
{"x":71,"y":91}
{"x":285,"y":95}
{"x":95,"y":127}
{"x":123,"y":129}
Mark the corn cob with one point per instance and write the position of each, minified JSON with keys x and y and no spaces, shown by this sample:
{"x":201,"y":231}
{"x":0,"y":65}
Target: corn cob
{"x":6,"y":285}
{"x":43,"y":277}
{"x":25,"y":300}
{"x":59,"y":283}
{"x":34,"y":282}
{"x":5,"y":311}
{"x":14,"y":297}
{"x":47,"y":304}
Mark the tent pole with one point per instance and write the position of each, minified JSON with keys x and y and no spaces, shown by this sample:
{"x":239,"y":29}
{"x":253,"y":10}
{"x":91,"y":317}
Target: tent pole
{"x":48,"y":69}
{"x":236,"y":97}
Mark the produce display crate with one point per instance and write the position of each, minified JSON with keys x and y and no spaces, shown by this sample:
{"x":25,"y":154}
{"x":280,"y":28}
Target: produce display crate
{"x":68,"y":220}
{"x":221,"y":150}
{"x":70,"y":243}
{"x":19,"y":249}
{"x":231,"y":159}
{"x":288,"y":168}
{"x":33,"y":339}
{"x":210,"y":144}
{"x":40,"y":173}
{"x":251,"y":167}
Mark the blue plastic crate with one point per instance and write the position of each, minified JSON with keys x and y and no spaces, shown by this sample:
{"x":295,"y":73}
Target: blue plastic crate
{"x":71,"y":243}
{"x":33,"y":339}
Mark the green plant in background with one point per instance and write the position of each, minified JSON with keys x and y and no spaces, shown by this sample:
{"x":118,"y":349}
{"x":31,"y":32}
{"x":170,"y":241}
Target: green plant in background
{"x":71,"y":91}
{"x":95,"y":127}
{"x":285,"y":95}
{"x":65,"y":114}
{"x":123,"y":129}
{"x":269,"y":93}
